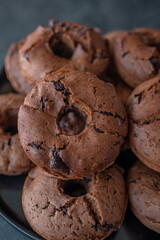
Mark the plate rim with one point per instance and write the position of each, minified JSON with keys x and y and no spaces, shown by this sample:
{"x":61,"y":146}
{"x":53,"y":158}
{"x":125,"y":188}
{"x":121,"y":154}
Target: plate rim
{"x":18,"y":226}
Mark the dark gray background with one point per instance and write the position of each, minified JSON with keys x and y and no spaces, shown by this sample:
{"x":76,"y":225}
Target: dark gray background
{"x":19,"y":17}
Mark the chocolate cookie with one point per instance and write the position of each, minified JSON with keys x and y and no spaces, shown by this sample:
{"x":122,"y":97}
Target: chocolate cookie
{"x":89,"y":208}
{"x":62,"y":44}
{"x":72,"y":124}
{"x":137,"y":55}
{"x":13,"y":72}
{"x":13,"y":160}
{"x":123,"y":91}
{"x":143,"y":112}
{"x":110,"y":36}
{"x":144,"y":195}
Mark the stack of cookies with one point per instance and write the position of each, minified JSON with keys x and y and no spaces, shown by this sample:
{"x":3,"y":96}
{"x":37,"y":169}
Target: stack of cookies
{"x":73,"y":87}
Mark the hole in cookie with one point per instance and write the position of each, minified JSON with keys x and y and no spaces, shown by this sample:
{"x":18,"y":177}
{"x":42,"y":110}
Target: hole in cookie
{"x":71,"y":121}
{"x":62,"y":49}
{"x":74,"y":188}
{"x":12,"y":130}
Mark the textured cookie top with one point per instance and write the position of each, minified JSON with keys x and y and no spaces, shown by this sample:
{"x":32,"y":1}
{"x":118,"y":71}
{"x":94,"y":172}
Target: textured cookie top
{"x":90,"y":208}
{"x":13,"y":160}
{"x":63,"y":44}
{"x":144,"y":194}
{"x":13,"y":71}
{"x":72,"y":124}
{"x":137,"y":55}
{"x":143,"y":111}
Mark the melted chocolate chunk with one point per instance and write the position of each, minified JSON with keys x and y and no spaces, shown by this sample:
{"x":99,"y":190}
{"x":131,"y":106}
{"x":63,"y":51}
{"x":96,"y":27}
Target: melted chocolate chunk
{"x":71,"y":121}
{"x":60,"y":87}
{"x":57,"y":162}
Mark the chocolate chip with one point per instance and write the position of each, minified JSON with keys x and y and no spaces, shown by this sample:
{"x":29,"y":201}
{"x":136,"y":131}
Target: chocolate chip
{"x":10,"y":142}
{"x":107,"y":113}
{"x":71,"y":121}
{"x":59,"y":86}
{"x":139,"y":96}
{"x":57,"y":162}
{"x":3,"y":146}
{"x":97,"y":129}
{"x":43,"y":103}
{"x":125,"y":54}
{"x":36,"y":145}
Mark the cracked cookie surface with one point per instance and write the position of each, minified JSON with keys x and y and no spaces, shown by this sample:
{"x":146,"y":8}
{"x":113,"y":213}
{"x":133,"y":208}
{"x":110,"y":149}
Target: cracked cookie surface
{"x":62,"y":44}
{"x":144,"y":122}
{"x":144,"y":195}
{"x":137,"y":55}
{"x":72,"y":124}
{"x":89,"y":208}
{"x":13,"y":160}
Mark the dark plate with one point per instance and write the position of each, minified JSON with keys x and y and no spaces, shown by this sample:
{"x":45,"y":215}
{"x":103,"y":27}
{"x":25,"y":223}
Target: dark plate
{"x":11,"y":208}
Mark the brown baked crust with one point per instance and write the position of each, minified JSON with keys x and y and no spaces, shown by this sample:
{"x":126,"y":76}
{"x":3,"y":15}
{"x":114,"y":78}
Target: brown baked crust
{"x":13,"y":160}
{"x":63,"y":44}
{"x":92,"y":149}
{"x":13,"y":72}
{"x":143,"y":112}
{"x":137,"y":55}
{"x":90,"y":208}
{"x":122,"y":89}
{"x":144,"y":194}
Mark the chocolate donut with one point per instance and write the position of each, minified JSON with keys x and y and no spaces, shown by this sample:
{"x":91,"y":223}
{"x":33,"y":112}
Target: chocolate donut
{"x":89,"y":208}
{"x":72,"y":124}
{"x":144,"y":195}
{"x":13,"y":160}
{"x":13,"y":71}
{"x":137,"y":55}
{"x":143,"y":112}
{"x":62,"y":44}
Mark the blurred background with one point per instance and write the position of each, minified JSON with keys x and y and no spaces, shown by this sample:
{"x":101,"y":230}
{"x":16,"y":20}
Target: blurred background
{"x":20,"y":17}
